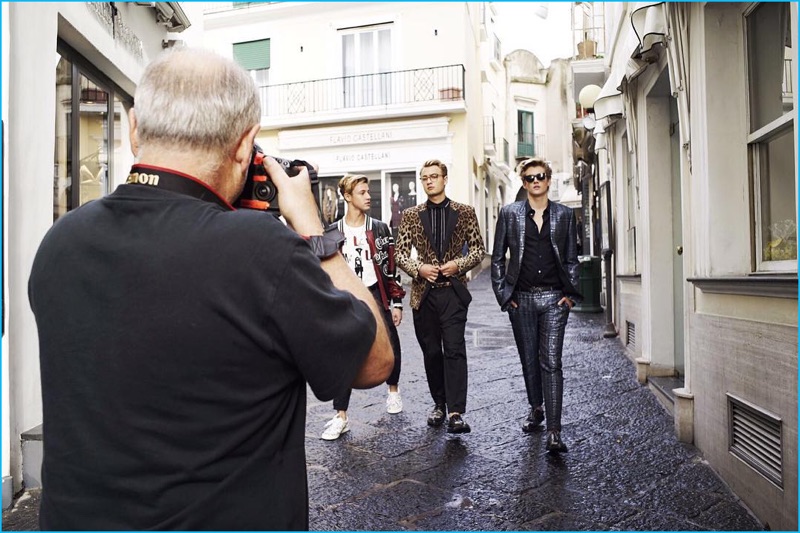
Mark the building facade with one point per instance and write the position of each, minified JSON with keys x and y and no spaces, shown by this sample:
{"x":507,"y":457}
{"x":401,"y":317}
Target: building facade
{"x":69,"y":74}
{"x":376,"y":88}
{"x":696,"y":138}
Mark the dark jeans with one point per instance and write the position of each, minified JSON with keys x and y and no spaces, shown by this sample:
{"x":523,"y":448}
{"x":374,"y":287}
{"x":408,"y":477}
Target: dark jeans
{"x":343,"y":402}
{"x":439,"y":325}
{"x":539,"y":324}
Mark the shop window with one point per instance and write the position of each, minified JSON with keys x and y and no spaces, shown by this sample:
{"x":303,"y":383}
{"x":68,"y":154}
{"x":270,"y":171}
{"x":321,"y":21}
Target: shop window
{"x":771,"y":135}
{"x":254,"y":56}
{"x":88,"y":133}
{"x":525,"y":146}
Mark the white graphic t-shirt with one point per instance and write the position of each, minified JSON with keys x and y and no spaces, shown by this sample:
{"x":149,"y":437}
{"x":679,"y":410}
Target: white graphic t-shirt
{"x":356,"y":253}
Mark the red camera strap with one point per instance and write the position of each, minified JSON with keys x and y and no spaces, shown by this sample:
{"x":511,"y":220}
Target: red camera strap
{"x":162,"y":178}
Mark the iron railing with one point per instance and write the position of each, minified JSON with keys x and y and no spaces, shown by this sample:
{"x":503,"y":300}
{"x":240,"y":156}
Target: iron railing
{"x":530,"y":145}
{"x":525,"y":144}
{"x":402,"y":87}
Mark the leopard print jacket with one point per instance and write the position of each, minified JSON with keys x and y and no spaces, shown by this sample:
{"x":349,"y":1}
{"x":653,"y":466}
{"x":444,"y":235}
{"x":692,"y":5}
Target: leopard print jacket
{"x":412,"y":234}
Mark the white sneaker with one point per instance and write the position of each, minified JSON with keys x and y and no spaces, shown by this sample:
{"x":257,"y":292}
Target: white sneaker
{"x":335,"y":428}
{"x":394,"y":404}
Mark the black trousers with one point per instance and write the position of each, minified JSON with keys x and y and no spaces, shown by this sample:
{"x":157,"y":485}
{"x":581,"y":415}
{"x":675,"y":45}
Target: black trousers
{"x":439,"y":325}
{"x":343,"y":402}
{"x":539,"y":324}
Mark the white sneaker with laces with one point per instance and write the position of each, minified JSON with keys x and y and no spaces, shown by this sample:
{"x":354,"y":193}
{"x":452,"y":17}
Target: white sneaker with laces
{"x":335,"y":428}
{"x":394,"y":403}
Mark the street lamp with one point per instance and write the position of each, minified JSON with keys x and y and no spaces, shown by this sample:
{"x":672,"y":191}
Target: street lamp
{"x":588,"y":96}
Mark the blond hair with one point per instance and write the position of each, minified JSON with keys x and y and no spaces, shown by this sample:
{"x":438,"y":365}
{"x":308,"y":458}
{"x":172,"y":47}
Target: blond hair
{"x":349,"y":182}
{"x":535,"y":162}
{"x":434,"y":163}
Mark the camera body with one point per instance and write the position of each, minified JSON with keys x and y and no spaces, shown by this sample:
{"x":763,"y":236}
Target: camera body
{"x":260,"y":192}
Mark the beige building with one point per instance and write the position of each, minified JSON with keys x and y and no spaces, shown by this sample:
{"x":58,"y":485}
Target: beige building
{"x":69,"y":73}
{"x":377,"y":88}
{"x":697,"y":140}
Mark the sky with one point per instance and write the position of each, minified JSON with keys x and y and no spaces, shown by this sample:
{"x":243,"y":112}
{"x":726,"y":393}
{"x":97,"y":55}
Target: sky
{"x":518,"y":26}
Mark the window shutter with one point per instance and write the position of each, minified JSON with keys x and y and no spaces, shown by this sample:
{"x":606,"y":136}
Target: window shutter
{"x":252,"y":55}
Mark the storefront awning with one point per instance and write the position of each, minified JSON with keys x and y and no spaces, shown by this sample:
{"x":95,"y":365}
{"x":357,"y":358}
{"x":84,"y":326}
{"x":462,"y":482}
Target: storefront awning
{"x":570,"y":198}
{"x":649,"y":21}
{"x":609,"y":101}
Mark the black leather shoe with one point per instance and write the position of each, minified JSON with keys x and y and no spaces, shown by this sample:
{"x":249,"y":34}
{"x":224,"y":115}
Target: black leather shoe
{"x":436,"y":418}
{"x":534,"y":420}
{"x":554,"y":442}
{"x":456,"y":424}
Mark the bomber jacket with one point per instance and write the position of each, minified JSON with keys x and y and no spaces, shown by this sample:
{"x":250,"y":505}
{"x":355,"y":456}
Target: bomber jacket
{"x":381,"y":247}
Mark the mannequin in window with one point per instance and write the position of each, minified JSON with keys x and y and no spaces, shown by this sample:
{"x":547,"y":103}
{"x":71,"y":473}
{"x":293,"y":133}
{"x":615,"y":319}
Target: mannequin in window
{"x":329,"y":207}
{"x":339,"y":204}
{"x":397,"y":205}
{"x":411,"y":197}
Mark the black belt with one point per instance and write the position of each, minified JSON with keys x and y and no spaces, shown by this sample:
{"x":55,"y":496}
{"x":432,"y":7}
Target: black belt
{"x":541,"y":288}
{"x":441,"y":284}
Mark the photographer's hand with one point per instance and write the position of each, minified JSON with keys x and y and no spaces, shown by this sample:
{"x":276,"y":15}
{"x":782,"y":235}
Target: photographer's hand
{"x":298,"y":205}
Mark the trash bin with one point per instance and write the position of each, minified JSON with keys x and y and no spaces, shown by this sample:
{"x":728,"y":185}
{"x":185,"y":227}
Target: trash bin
{"x":589,"y":283}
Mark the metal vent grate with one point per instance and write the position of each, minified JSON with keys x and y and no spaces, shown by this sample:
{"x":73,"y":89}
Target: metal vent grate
{"x":756,"y":438}
{"x":630,"y":333}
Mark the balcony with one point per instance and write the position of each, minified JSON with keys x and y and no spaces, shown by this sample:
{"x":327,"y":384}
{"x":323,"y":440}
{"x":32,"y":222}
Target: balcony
{"x":402,"y":93}
{"x":530,"y":145}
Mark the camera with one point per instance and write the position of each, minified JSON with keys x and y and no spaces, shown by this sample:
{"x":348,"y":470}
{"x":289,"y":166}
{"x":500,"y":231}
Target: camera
{"x":260,"y":192}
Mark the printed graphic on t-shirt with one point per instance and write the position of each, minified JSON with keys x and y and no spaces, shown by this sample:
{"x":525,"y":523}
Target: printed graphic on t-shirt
{"x":357,"y":254}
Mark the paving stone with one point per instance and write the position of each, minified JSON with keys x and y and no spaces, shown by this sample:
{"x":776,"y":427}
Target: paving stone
{"x":625,"y":469}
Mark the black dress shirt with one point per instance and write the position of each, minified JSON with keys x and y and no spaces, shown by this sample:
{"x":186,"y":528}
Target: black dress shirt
{"x":539,"y":265}
{"x":438,"y":214}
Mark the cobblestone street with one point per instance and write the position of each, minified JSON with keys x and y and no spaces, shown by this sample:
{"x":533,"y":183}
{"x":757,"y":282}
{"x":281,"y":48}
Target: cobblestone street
{"x":625,"y":469}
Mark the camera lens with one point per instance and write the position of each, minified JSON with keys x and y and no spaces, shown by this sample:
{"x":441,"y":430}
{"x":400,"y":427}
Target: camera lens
{"x":265,"y":191}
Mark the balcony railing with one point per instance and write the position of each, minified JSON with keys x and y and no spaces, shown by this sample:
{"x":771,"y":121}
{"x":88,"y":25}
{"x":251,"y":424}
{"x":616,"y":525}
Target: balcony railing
{"x":525,"y":145}
{"x":530,"y":145}
{"x":397,"y":88}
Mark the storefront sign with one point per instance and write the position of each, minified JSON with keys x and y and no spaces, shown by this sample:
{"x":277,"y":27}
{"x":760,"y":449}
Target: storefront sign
{"x":362,"y":157}
{"x":376,"y":134}
{"x":364,"y":137}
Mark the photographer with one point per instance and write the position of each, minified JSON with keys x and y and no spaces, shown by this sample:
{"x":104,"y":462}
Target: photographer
{"x":177,"y":335}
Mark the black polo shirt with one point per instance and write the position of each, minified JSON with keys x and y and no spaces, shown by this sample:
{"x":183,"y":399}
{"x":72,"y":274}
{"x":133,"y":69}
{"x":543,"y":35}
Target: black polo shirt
{"x":176,"y":341}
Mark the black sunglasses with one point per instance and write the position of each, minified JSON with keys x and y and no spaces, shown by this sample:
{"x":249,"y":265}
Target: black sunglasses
{"x":540,"y":177}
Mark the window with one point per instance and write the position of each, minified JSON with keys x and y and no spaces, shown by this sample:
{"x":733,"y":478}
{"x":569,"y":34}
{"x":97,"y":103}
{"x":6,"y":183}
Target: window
{"x":631,"y":205}
{"x":525,"y":134}
{"x":88,"y":135}
{"x":253,"y":56}
{"x":367,"y":65}
{"x":771,"y":135}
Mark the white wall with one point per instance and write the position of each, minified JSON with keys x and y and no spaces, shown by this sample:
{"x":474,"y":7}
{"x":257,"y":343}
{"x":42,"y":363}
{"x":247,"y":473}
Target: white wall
{"x":6,"y":421}
{"x":424,"y":35}
{"x":30,"y":60}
